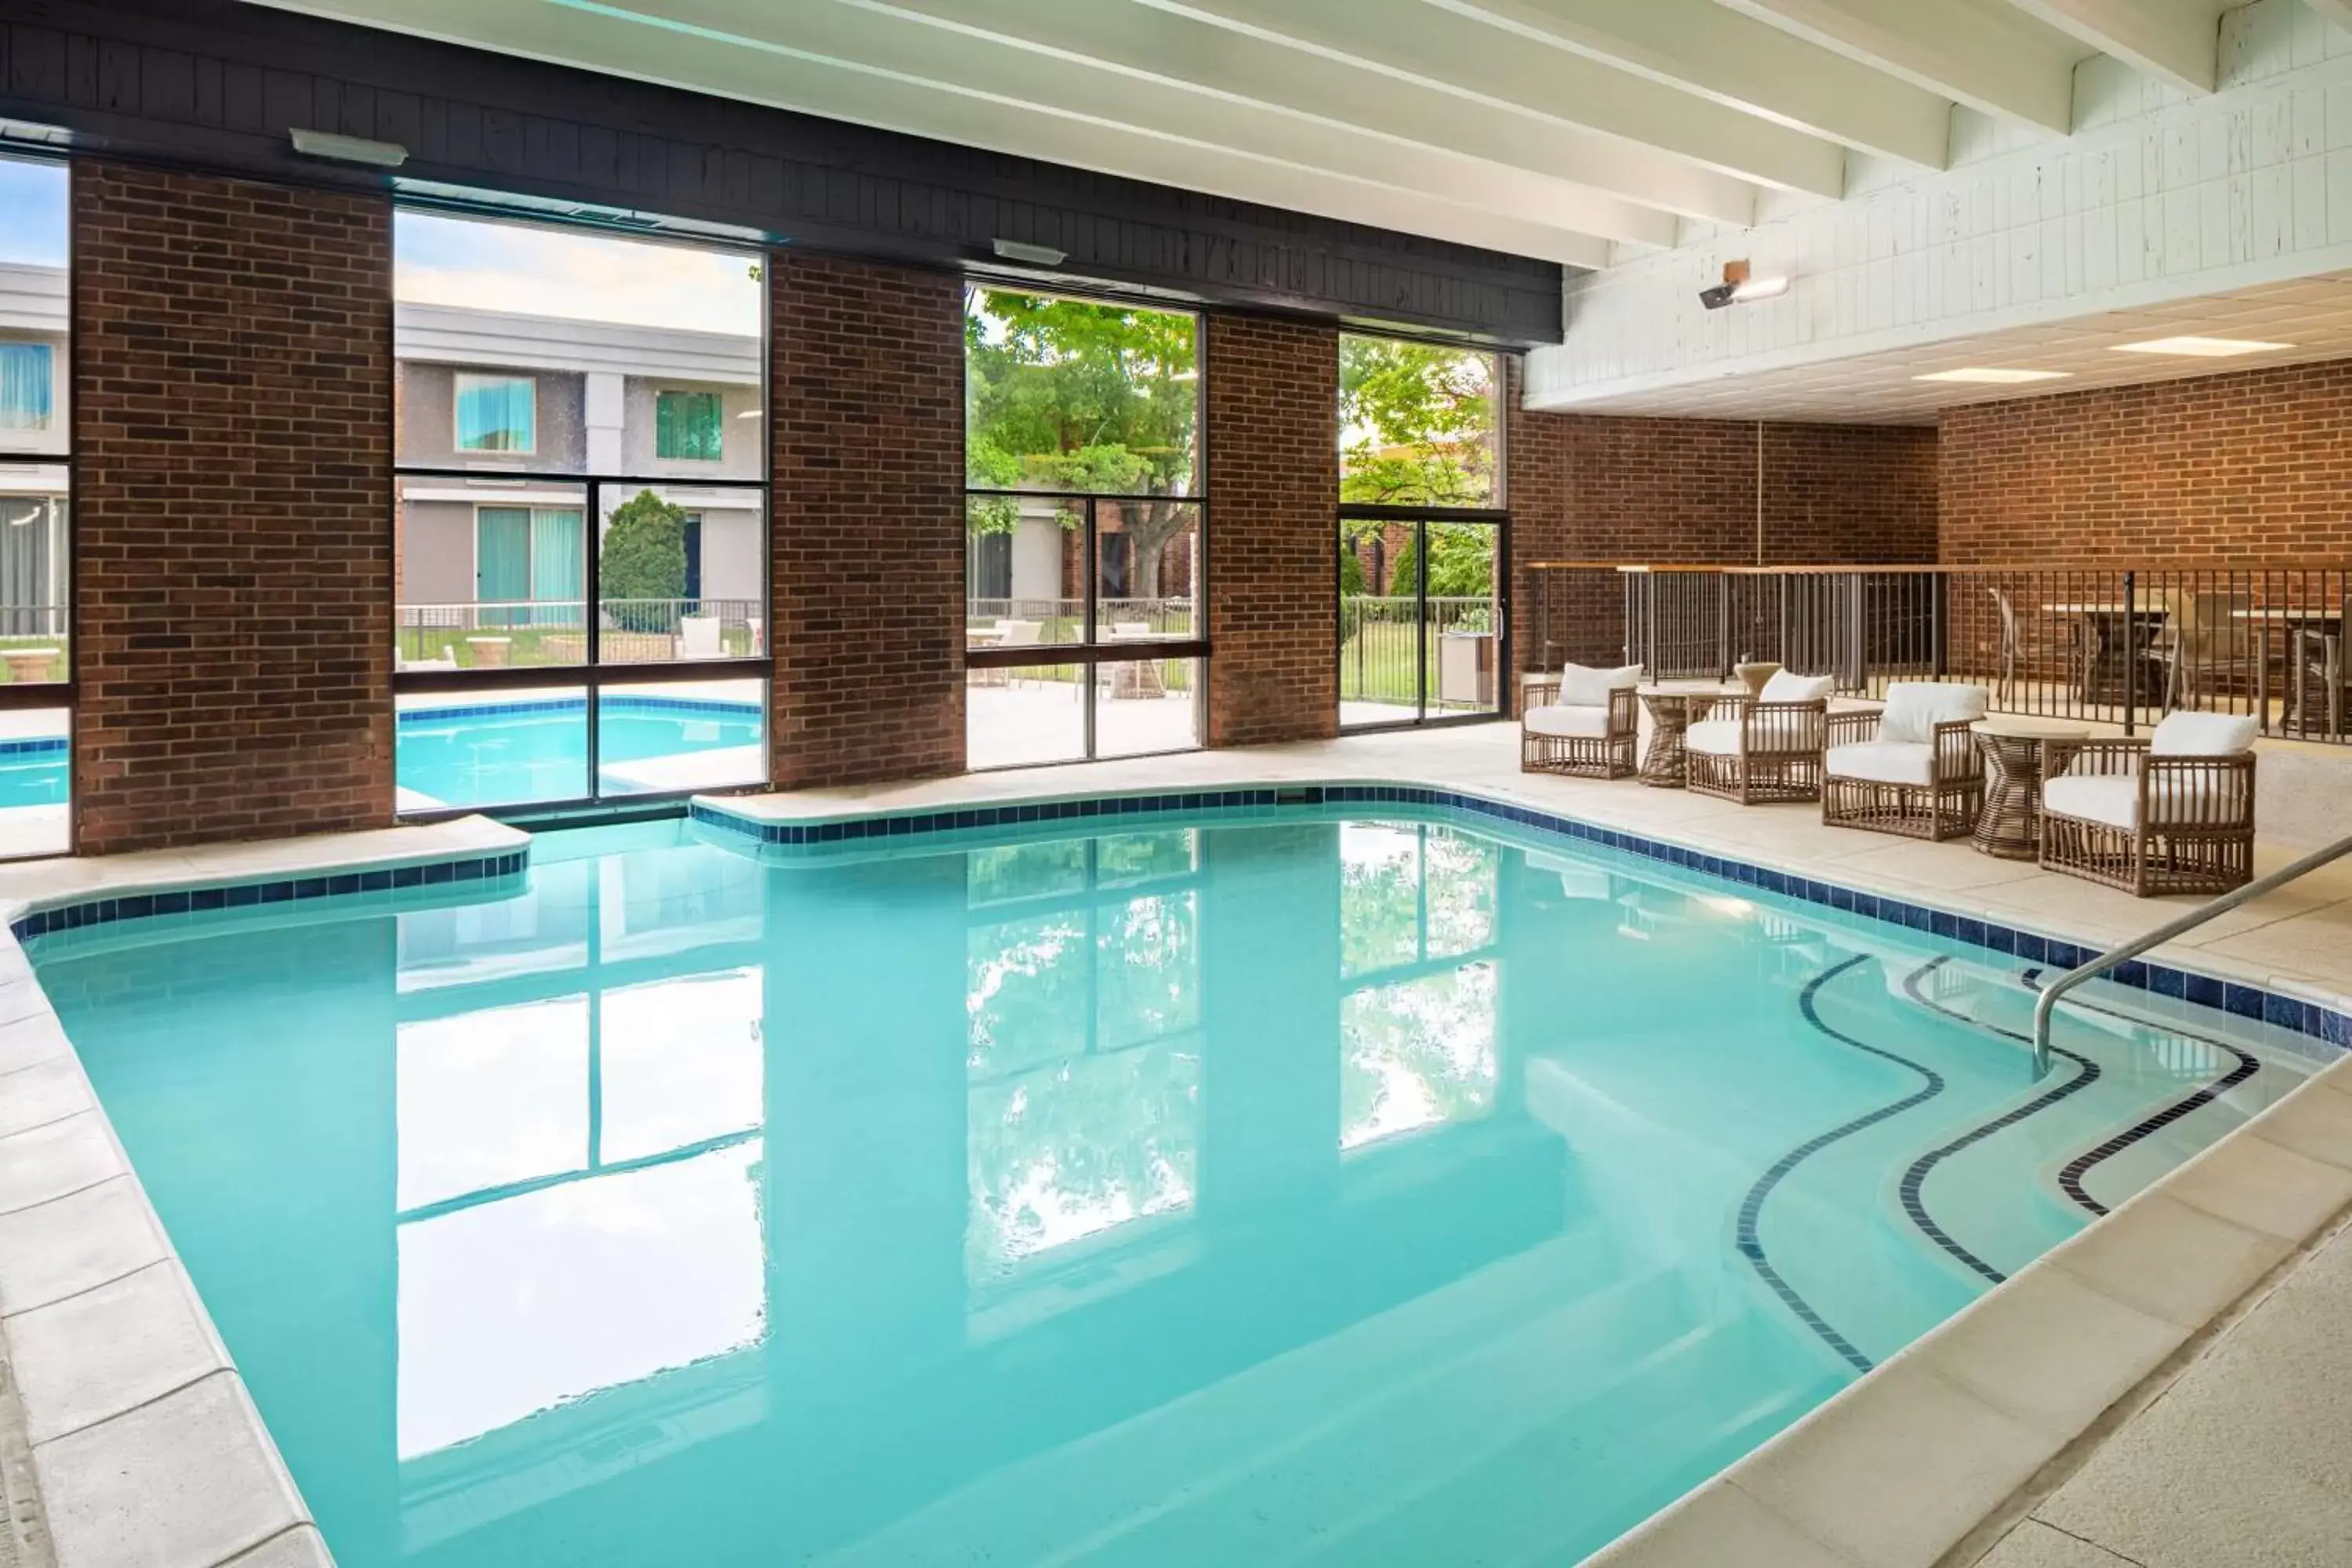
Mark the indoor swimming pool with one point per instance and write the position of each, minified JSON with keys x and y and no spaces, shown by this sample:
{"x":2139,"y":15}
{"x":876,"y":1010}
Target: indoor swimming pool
{"x":1326,"y":1184}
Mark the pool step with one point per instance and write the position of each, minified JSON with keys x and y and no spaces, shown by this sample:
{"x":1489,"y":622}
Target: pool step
{"x":1551,"y":1491}
{"x":1304,"y":1436}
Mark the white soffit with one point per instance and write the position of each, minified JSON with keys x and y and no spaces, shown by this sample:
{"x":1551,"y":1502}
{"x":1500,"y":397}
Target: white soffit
{"x":2313,"y":314}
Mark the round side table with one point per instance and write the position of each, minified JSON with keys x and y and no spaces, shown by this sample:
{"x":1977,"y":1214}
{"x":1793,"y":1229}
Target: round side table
{"x":1673,"y":705}
{"x":2010,"y":826}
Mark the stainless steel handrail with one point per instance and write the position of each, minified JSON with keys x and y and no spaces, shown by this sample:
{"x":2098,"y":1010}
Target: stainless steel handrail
{"x":2047,"y":1004}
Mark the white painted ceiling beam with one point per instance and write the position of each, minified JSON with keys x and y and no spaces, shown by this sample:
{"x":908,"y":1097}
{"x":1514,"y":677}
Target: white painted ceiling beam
{"x":1737,"y":61}
{"x":1162,"y":47}
{"x":2176,"y":41}
{"x":1988,"y":56}
{"x":710,"y":60}
{"x":1022,"y":84}
{"x":2336,"y":11}
{"x":1445,"y":51}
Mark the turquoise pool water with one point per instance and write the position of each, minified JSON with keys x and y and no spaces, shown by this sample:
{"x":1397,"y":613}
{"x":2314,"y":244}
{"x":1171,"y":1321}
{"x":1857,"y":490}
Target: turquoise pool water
{"x":1321,"y":1187}
{"x":33,"y":772}
{"x":501,"y":754}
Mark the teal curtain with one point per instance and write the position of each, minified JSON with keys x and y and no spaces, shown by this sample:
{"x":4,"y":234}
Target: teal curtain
{"x":24,"y":386}
{"x":496,"y":415}
{"x":687,"y":425}
{"x":502,"y":561}
{"x":559,"y":572}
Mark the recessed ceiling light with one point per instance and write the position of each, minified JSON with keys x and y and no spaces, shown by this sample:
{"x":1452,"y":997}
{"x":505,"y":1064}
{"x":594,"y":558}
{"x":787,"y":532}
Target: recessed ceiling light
{"x":2200,"y":348}
{"x":1994,"y":376}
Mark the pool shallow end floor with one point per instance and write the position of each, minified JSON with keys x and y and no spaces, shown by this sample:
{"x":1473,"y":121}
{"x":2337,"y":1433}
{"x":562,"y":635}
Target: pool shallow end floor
{"x":1903,"y":1466}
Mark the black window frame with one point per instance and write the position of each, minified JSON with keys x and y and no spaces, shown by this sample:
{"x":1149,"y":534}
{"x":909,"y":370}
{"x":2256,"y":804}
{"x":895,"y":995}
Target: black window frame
{"x":591,"y":676}
{"x":1497,"y":514}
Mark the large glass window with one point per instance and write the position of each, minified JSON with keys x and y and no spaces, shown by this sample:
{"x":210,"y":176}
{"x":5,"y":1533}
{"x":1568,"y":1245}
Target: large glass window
{"x":1421,"y":536}
{"x":35,"y":488}
{"x":577,"y":618}
{"x":1084,"y":529}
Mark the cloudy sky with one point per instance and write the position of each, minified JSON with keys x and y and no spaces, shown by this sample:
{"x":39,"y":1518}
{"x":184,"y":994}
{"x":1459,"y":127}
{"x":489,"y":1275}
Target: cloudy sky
{"x":579,"y":273}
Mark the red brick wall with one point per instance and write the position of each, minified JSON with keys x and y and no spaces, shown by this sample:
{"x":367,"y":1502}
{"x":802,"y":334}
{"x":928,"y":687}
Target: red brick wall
{"x":867,"y":415}
{"x":1602,"y":488}
{"x":2255,"y":465}
{"x":1849,"y":493}
{"x":1274,"y":487}
{"x":233,"y":537}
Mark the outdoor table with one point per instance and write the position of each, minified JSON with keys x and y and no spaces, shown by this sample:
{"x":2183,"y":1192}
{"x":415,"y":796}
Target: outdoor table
{"x":1673,"y":706}
{"x":2301,"y":622}
{"x":2118,"y":634}
{"x":2010,"y":826}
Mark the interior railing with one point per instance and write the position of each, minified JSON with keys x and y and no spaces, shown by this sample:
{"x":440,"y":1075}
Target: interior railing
{"x":2109,"y":644}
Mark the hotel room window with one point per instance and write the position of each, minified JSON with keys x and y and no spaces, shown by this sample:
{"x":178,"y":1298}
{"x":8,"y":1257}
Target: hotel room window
{"x":687,"y":427}
{"x":496,"y":414}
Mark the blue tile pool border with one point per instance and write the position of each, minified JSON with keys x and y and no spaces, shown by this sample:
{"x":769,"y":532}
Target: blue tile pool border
{"x":2293,"y":1013}
{"x":117,"y":907}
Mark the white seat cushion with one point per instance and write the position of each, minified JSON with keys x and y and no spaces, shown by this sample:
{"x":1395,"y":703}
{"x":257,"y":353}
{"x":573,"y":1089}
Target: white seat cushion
{"x":1884,"y":762}
{"x":2114,"y":799}
{"x":2201,"y":735}
{"x":1583,"y":686}
{"x":1570,"y":722}
{"x":1786,"y":688}
{"x":1716,"y":737}
{"x":1914,"y":709}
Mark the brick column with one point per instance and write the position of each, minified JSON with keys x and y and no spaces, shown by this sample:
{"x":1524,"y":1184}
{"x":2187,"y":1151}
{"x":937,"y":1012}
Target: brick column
{"x":1535,"y":487}
{"x":233,"y":513}
{"x":1274,"y":490}
{"x":865,"y":409}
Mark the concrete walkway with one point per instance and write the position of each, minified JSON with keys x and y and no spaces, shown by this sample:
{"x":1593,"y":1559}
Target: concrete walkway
{"x":2245,"y":1458}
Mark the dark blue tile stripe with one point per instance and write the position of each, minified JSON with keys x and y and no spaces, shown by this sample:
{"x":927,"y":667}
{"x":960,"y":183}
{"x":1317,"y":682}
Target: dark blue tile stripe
{"x":2289,"y":1012}
{"x":142,"y":906}
{"x":1915,"y":1180}
{"x":38,"y":746}
{"x":1751,"y":1208}
{"x":2070,"y":1180}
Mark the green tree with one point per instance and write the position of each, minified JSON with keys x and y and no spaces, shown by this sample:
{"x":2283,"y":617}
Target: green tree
{"x":1068,"y":394}
{"x":1460,"y":562}
{"x":1417,"y":422}
{"x":643,"y":557}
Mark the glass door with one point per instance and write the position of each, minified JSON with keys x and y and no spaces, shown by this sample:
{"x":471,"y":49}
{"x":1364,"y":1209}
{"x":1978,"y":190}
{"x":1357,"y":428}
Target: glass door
{"x":1421,"y":620}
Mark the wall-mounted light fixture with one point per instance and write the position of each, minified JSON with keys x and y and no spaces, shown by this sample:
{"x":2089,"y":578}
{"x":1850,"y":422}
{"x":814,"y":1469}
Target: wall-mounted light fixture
{"x":1741,"y":287}
{"x":1035,"y":255}
{"x":349,"y":149}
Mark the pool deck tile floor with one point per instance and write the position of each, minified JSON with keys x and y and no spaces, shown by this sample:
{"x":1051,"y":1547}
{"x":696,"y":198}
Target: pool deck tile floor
{"x":2215,"y":1441}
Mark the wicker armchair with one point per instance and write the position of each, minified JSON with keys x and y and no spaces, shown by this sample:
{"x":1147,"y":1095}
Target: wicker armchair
{"x":1591,"y":735}
{"x":1912,"y":768}
{"x":2171,"y":813}
{"x":1763,"y":748}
